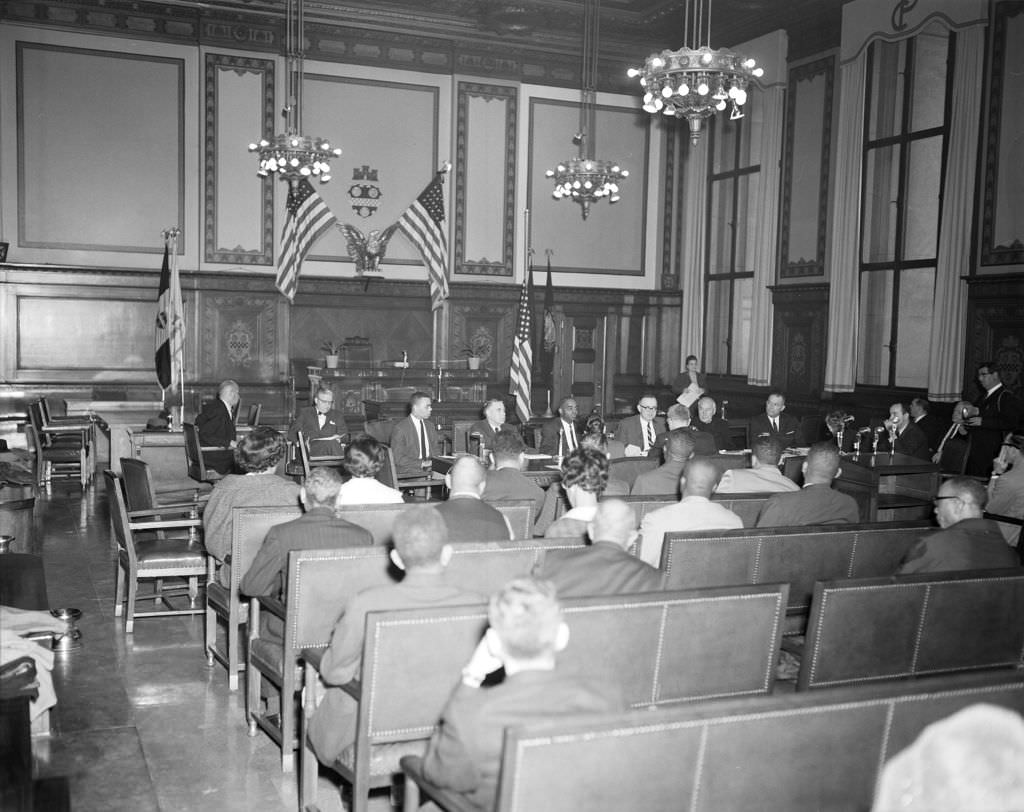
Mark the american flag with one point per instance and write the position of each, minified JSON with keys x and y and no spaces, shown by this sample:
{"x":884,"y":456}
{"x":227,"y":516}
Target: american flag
{"x":422,"y":223}
{"x":522,"y":353}
{"x":170,"y":326}
{"x":308,"y":217}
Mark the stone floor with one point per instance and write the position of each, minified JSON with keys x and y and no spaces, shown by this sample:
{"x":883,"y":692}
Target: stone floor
{"x":142,"y":722}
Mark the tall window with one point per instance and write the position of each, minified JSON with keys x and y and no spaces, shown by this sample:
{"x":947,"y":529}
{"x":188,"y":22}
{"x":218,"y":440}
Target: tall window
{"x":734,"y":174}
{"x":905,"y":130}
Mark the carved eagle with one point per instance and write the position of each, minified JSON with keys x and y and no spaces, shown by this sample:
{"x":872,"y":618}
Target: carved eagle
{"x":367,"y":250}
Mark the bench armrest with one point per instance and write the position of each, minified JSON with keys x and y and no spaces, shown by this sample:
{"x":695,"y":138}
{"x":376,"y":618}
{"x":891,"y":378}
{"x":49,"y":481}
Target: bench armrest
{"x":416,"y":783}
{"x":272,"y":605}
{"x":170,"y":524}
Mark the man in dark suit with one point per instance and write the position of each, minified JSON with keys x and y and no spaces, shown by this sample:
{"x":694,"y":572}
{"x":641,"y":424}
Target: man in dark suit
{"x":315,"y":529}
{"x":909,"y":439}
{"x":559,"y":435}
{"x":415,"y":440}
{"x":322,"y":425}
{"x":526,"y":633}
{"x":215,"y":425}
{"x":994,"y":414}
{"x":604,"y":567}
{"x":505,"y":480}
{"x":709,"y":422}
{"x":484,"y":430}
{"x":639,"y":432}
{"x":776,"y":423}
{"x":932,"y":426}
{"x":468,"y":517}
{"x":817,"y":502}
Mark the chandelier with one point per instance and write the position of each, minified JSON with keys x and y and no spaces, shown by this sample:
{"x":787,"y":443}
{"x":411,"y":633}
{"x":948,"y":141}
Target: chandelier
{"x":695,"y":82}
{"x":291,"y":154}
{"x":585,"y":179}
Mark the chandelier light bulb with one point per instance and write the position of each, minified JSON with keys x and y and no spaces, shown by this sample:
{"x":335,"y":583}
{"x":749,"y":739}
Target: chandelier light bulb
{"x":632,"y":73}
{"x":702,"y":89}
{"x":666,"y":91}
{"x":683,"y":89}
{"x":741,"y":96}
{"x":657,"y":62}
{"x":749,"y":64}
{"x":706,"y":57}
{"x":720,"y":105}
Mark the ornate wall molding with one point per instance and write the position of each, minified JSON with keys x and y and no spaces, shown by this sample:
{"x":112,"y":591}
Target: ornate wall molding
{"x":800,"y":330}
{"x":238,"y":337}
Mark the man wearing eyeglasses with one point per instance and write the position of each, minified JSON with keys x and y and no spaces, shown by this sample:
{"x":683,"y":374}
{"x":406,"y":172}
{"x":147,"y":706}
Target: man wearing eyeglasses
{"x":639,"y":432}
{"x":966,"y":541}
{"x":322,"y":425}
{"x":995,"y":413}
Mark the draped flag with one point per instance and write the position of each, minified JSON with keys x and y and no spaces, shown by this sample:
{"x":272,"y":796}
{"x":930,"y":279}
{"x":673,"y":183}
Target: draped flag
{"x":422,"y":223}
{"x":520,"y":376}
{"x":308,"y":217}
{"x":548,"y":349}
{"x":170,"y":326}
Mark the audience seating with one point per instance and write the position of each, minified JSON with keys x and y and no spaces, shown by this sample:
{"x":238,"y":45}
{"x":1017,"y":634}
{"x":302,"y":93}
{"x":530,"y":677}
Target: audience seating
{"x":152,"y":559}
{"x":320,"y":584}
{"x":627,"y":469}
{"x":659,"y":648}
{"x":61,"y":450}
{"x":1011,"y":520}
{"x":249,"y":526}
{"x":808,"y":752}
{"x":884,"y":628}
{"x":745,"y":505}
{"x":141,"y":491}
{"x":799,"y":556}
{"x":194,"y":456}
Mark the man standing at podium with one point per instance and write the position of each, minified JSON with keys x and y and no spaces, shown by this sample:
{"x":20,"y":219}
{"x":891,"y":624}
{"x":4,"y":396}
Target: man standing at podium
{"x":321,"y":424}
{"x":415,"y":440}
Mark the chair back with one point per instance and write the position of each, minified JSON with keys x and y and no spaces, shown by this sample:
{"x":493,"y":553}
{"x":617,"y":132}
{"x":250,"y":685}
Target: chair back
{"x":519,"y":514}
{"x":460,"y":437}
{"x":954,"y":454}
{"x":140,"y":494}
{"x":35,"y":447}
{"x":193,"y":452}
{"x":303,"y":449}
{"x":255,"y":412}
{"x":627,"y":469}
{"x":249,"y":527}
{"x":387,"y":473}
{"x":119,"y":517}
{"x":37,"y":421}
{"x":378,"y":519}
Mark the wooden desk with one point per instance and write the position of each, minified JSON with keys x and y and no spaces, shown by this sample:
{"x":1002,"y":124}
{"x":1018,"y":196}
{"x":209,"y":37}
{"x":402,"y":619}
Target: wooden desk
{"x":893,"y":487}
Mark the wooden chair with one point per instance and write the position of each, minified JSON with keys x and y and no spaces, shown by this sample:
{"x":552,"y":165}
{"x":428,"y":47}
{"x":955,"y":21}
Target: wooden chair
{"x":142,"y":493}
{"x":255,"y":413}
{"x":194,"y":456}
{"x":309,"y":462}
{"x":460,"y":437}
{"x":225,"y":604}
{"x":152,"y":559}
{"x":60,"y":452}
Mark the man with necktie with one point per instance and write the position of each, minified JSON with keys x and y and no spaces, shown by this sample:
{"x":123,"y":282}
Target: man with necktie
{"x":415,"y":440}
{"x":321,"y":424}
{"x":903,"y":434}
{"x":558,"y":435}
{"x":639,"y":432}
{"x":776,"y":423}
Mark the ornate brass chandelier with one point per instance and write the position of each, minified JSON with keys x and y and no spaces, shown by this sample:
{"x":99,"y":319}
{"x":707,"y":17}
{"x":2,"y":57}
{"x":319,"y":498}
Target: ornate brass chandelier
{"x":291,"y":154}
{"x":696,"y":81}
{"x":585,"y":179}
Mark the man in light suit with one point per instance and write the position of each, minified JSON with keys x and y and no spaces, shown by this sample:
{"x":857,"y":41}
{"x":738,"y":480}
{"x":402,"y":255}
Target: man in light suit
{"x":559,"y":435}
{"x":777,"y":424}
{"x":639,"y":432}
{"x":322,"y":425}
{"x":415,"y":439}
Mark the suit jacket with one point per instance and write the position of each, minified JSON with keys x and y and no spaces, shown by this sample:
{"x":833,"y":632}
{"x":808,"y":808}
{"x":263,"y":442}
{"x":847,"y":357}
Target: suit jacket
{"x":934,"y":429}
{"x":630,"y":431}
{"x":967,"y":545}
{"x":912,"y":441}
{"x":703,"y":443}
{"x":550,"y":431}
{"x":1000,"y":412}
{"x":306,"y":422}
{"x":789,"y":429}
{"x":813,"y":504}
{"x":603,"y":568}
{"x":507,"y":483}
{"x":464,"y":754}
{"x":314,"y":530}
{"x":486,"y":432}
{"x":719,"y":429}
{"x":215,"y":424}
{"x":405,"y":445}
{"x":662,"y":480}
{"x":471,"y":519}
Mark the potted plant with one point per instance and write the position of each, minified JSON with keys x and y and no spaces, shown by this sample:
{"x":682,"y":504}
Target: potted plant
{"x":333,"y":350}
{"x":478,"y":348}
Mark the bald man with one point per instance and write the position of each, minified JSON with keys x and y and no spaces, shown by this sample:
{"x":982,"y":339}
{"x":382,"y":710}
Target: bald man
{"x":467,"y":516}
{"x":816,"y":502}
{"x":604,"y":567}
{"x":694,"y":511}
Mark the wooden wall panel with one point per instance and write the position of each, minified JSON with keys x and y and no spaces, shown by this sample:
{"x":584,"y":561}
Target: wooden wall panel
{"x":800,"y":331}
{"x":995,"y":329}
{"x":239,"y":337}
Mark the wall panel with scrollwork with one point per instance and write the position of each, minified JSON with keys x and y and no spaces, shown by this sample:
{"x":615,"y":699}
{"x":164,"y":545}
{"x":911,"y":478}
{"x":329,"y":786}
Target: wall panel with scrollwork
{"x":800,"y":331}
{"x":995,"y":329}
{"x":239,"y":337}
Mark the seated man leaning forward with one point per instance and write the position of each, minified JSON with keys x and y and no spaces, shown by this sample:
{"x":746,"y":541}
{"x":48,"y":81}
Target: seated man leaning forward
{"x":679,"y":447}
{"x":816,"y":502}
{"x":364,"y":458}
{"x":763,"y":475}
{"x":695,"y":511}
{"x":422,"y":551}
{"x":257,"y":455}
{"x":468,"y":517}
{"x":605,"y":566}
{"x":678,"y":417}
{"x":526,"y":633}
{"x":316,"y":529}
{"x":584,"y":478}
{"x":506,"y":480}
{"x":321,"y":425}
{"x":639,"y":432}
{"x":966,"y":540}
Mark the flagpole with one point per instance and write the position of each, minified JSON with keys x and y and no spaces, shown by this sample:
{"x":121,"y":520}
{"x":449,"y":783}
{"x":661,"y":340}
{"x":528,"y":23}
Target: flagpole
{"x":170,"y":236}
{"x":528,"y":240}
{"x":549,"y":373}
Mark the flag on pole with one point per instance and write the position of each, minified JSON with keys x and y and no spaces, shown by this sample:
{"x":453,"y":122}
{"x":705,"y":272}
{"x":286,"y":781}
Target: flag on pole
{"x":548,"y":349}
{"x":307,"y":218}
{"x":520,"y":376}
{"x":170,"y":326}
{"x":422,"y":223}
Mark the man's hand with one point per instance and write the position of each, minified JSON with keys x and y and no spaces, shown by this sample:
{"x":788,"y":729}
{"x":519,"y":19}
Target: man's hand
{"x":482,"y":663}
{"x":633,"y":451}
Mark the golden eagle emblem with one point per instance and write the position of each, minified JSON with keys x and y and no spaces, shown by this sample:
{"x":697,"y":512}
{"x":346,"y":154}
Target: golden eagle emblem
{"x":367,"y":250}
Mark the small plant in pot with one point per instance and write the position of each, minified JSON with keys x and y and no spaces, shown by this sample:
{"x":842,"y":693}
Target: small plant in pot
{"x":478,"y":348}
{"x":332,"y":350}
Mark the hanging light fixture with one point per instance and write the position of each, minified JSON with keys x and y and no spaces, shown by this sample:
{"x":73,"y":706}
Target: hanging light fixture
{"x":291,"y":154}
{"x":585,"y":179}
{"x":696,"y":81}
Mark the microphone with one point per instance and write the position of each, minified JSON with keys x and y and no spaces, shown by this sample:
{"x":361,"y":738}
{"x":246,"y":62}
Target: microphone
{"x":848,"y":419}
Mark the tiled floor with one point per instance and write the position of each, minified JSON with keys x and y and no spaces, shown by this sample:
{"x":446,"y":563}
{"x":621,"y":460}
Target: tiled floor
{"x":142,"y":722}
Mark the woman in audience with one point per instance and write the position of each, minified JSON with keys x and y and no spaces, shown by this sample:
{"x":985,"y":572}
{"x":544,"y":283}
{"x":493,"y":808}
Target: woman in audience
{"x":1006,"y":487}
{"x":257,"y":455}
{"x":584,"y":479}
{"x":364,"y":458}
